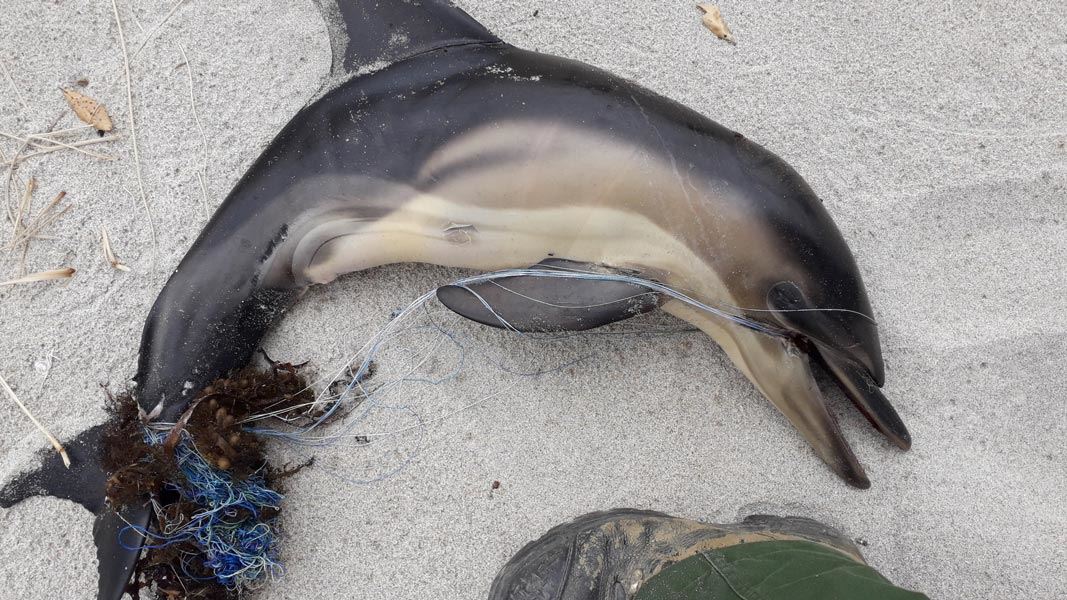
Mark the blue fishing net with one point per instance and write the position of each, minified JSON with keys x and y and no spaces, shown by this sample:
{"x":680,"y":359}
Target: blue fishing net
{"x":234,"y":526}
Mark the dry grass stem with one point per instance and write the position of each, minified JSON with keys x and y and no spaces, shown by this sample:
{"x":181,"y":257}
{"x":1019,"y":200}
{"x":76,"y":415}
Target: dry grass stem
{"x":11,"y":82}
{"x":133,"y":125}
{"x":27,"y":229}
{"x":37,"y":140}
{"x":199,"y":125}
{"x":109,"y":254}
{"x":23,"y":207}
{"x":148,"y":37}
{"x":47,"y":143}
{"x":69,"y":130}
{"x":192,"y":92}
{"x":20,"y":158}
{"x":11,"y":175}
{"x":64,"y":273}
{"x":203,"y":193}
{"x":51,"y":438}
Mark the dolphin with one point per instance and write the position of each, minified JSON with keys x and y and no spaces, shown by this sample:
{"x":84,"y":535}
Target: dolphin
{"x":436,"y":142}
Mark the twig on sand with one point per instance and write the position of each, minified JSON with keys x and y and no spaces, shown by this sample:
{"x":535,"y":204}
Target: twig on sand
{"x":109,"y":254}
{"x":148,"y":37}
{"x":133,"y":125}
{"x":41,"y":141}
{"x":51,"y":438}
{"x":61,"y":146}
{"x":11,"y":82}
{"x":64,"y":273}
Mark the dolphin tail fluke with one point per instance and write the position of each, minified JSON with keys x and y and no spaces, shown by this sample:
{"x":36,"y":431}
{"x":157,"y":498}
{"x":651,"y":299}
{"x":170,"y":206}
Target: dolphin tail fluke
{"x":117,"y":549}
{"x":85,"y":483}
{"x":366,"y":33}
{"x":532,"y":303}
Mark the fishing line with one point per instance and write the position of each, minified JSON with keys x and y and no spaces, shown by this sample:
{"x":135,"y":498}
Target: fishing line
{"x":336,"y":415}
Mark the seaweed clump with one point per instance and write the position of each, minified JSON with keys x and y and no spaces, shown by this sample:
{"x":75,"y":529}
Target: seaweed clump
{"x":214,"y":492}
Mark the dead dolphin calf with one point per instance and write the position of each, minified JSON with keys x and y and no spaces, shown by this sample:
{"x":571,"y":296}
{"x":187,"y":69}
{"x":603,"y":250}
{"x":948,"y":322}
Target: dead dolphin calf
{"x":641,"y":555}
{"x":439,"y":143}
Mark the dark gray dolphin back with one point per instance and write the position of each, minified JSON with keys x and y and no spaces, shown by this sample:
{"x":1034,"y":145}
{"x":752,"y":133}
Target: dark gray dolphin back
{"x":369,"y":32}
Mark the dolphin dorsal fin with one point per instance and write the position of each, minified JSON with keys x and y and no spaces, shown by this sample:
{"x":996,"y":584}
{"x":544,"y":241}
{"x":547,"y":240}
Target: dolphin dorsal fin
{"x":369,"y":33}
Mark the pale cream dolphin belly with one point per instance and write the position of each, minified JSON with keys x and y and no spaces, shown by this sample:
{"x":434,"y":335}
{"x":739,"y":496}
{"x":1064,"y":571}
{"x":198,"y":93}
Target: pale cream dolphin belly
{"x":592,"y":201}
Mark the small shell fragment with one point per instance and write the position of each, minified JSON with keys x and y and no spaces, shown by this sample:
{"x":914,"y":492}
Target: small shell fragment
{"x":713,"y":20}
{"x":88,"y":110}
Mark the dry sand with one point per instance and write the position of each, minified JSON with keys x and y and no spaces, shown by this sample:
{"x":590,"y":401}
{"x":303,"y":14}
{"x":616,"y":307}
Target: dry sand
{"x":934,"y":132}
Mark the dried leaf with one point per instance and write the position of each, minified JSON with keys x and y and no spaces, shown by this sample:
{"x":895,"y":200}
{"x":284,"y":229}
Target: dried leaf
{"x":109,"y":254}
{"x":65,"y":273}
{"x":713,"y":20}
{"x":88,"y":110}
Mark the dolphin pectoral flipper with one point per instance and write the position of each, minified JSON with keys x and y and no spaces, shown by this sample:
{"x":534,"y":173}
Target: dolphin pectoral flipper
{"x":531,"y":303}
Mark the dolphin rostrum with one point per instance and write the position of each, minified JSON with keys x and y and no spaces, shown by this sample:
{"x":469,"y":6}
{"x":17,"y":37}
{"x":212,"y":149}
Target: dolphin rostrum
{"x":438,"y":143}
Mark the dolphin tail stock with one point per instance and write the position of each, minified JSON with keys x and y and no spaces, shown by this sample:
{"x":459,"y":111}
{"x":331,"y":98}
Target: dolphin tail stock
{"x":85,"y":483}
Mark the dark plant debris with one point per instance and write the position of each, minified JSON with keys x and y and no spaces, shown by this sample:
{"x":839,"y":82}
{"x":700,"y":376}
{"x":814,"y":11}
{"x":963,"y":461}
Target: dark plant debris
{"x":214,"y":424}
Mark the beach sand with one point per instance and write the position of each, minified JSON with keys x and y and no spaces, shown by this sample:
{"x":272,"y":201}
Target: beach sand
{"x":934,"y":132}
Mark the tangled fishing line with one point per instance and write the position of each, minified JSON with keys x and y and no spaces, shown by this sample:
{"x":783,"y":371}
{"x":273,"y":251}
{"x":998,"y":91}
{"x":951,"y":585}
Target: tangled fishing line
{"x":215,"y":496}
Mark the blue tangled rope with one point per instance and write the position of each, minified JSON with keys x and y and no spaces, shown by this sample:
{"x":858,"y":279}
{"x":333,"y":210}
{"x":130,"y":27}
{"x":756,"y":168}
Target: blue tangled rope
{"x":234,"y":524}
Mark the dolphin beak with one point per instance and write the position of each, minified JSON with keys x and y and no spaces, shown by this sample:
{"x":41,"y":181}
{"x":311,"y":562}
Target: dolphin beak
{"x":794,"y":392}
{"x":860,"y":387}
{"x":781,"y":371}
{"x":846,"y":343}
